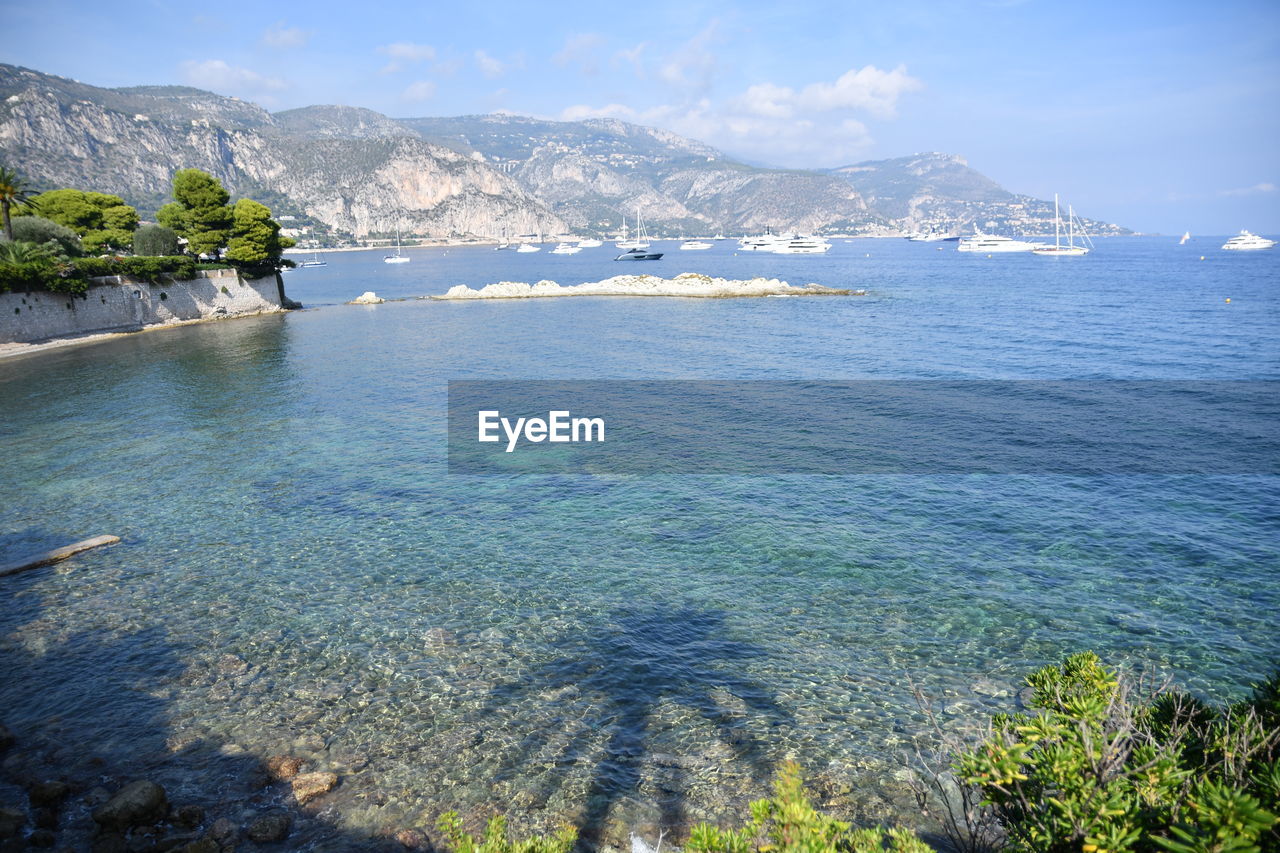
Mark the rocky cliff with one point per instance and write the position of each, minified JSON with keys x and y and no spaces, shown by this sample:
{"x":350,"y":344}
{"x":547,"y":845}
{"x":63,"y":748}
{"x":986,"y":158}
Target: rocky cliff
{"x":336,"y":172}
{"x":350,"y":170}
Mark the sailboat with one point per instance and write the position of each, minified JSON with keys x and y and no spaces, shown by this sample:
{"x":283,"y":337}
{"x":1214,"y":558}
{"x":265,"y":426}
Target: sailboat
{"x":640,"y":242}
{"x":1186,"y":235}
{"x":397,"y":258}
{"x":639,"y":249}
{"x":314,"y":262}
{"x":1057,"y":249}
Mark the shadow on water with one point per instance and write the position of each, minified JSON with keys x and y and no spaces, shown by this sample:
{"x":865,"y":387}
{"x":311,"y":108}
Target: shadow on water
{"x":90,"y":708}
{"x":628,"y":669}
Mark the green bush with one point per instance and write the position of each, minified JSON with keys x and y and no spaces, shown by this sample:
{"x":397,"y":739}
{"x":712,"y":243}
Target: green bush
{"x":32,"y":268}
{"x":495,"y":838}
{"x":156,"y":241}
{"x":1097,"y":769}
{"x":788,"y":823}
{"x":37,"y":229}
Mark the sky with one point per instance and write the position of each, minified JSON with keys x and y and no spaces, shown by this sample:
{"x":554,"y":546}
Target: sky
{"x":1158,"y":116}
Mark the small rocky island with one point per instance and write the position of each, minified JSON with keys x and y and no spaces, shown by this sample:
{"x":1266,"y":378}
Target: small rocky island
{"x":686,"y":284}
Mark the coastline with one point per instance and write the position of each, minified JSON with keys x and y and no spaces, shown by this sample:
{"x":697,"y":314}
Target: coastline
{"x":16,"y":349}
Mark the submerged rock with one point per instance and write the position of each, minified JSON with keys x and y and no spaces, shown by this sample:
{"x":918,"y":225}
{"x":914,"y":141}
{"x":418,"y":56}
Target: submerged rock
{"x":412,"y":839}
{"x":282,"y":767}
{"x":48,"y":793}
{"x":272,"y":826}
{"x":136,"y":804}
{"x":308,"y":786}
{"x":11,"y":821}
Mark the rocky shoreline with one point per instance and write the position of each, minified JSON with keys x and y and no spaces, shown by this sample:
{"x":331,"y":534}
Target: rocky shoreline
{"x":686,"y":284}
{"x":49,"y":805}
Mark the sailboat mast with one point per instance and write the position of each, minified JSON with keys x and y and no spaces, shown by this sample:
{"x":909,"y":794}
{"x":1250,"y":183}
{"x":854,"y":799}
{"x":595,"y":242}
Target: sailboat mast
{"x":1071,"y":226}
{"x":1057,"y":224}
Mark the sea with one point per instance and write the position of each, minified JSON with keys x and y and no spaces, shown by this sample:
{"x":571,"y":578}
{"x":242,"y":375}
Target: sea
{"x":301,"y":574}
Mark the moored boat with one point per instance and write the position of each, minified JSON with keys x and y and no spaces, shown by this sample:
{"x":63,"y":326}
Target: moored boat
{"x":1245,"y":241}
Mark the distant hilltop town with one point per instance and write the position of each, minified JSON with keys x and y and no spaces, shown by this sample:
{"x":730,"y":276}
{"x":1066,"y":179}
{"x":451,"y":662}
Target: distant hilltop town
{"x":334,"y":175}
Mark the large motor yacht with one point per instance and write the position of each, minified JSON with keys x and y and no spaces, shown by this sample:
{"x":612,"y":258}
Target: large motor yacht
{"x":1246,"y":241}
{"x":994,"y":243}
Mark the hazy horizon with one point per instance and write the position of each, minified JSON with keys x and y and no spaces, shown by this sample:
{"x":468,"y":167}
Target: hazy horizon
{"x":1159,"y":123}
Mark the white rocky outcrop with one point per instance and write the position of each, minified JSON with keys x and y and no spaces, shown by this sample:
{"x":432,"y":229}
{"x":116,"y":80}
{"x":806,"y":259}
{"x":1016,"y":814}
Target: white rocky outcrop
{"x":367,"y":298}
{"x":686,"y":284}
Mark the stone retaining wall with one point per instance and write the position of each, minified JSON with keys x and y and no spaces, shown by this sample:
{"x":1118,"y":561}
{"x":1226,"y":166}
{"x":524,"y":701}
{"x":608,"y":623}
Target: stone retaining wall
{"x":117,"y":304}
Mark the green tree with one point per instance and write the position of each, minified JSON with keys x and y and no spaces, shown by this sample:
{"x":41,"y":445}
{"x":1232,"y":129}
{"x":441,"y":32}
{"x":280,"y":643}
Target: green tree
{"x":103,"y":221}
{"x":156,"y":241}
{"x":45,"y":232}
{"x":14,"y":193}
{"x":199,"y":211}
{"x":255,"y":239}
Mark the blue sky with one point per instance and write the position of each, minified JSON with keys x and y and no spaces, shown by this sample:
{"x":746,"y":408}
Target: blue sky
{"x":1159,"y":116}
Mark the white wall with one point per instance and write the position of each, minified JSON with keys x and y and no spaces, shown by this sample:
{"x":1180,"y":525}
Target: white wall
{"x":109,"y":306}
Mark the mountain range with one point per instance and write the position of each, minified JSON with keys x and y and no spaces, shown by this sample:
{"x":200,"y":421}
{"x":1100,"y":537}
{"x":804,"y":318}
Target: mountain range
{"x":335,"y":173}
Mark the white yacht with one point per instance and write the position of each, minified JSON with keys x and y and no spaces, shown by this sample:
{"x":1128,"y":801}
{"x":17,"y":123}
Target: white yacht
{"x":1246,"y":241}
{"x":529,"y":247}
{"x":589,"y":244}
{"x":1071,"y":249}
{"x":566,"y":249}
{"x":995,"y":243}
{"x":802,"y":245}
{"x":761,"y":243}
{"x":694,"y":246}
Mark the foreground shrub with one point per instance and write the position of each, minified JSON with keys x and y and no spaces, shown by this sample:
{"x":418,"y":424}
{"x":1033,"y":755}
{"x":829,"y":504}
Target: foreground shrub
{"x":788,"y":823}
{"x":495,"y":838}
{"x":1099,"y":769}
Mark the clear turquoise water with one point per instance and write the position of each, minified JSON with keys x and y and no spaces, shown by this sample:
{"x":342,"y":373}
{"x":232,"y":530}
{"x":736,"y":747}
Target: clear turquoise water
{"x":630,"y":652}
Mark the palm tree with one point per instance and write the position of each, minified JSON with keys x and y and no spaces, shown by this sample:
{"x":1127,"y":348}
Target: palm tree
{"x":14,"y":192}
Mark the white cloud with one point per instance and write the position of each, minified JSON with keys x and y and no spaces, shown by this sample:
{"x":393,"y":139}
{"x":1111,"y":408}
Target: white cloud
{"x":489,"y":66}
{"x":280,"y":36}
{"x":632,"y":55}
{"x":813,"y":125}
{"x":692,"y":66}
{"x":580,"y":48}
{"x":867,"y":88}
{"x":404,"y":53}
{"x":422,"y":90}
{"x":217,"y":75}
{"x":1256,"y":189}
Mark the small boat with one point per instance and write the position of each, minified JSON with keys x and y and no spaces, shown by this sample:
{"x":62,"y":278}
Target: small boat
{"x":589,"y":244}
{"x":1246,"y":242}
{"x":694,"y":246}
{"x":314,"y":262}
{"x":1186,"y":235}
{"x":398,"y":257}
{"x":1071,"y":249}
{"x":528,"y":247}
{"x":566,"y":249}
{"x":639,"y":255}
